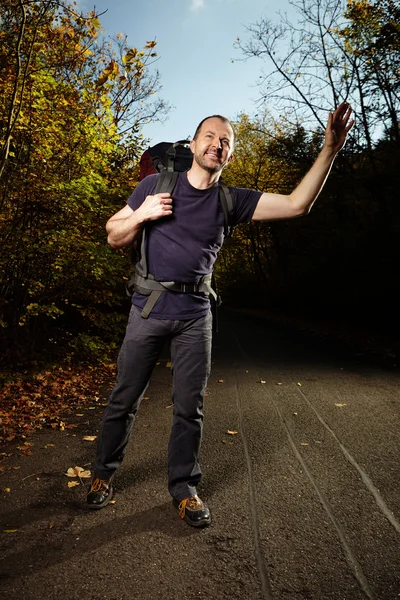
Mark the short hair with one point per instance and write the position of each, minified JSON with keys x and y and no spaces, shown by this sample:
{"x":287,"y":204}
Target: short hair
{"x":221,"y":118}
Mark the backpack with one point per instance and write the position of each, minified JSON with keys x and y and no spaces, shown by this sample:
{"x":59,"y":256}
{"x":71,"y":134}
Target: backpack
{"x":170,"y":159}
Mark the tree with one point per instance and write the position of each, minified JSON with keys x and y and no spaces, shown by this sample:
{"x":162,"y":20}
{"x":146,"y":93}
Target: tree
{"x":328,"y":56}
{"x":332,"y":56}
{"x":72,"y":108}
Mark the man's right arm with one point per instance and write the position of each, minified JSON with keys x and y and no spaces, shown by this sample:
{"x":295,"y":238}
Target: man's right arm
{"x":125,"y":226}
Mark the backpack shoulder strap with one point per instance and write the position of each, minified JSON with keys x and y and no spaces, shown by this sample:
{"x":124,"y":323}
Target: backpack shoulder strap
{"x":165,"y":184}
{"x":228,"y":206}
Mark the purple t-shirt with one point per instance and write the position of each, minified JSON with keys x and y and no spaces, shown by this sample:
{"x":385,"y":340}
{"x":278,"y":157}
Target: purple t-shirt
{"x":184,"y":246}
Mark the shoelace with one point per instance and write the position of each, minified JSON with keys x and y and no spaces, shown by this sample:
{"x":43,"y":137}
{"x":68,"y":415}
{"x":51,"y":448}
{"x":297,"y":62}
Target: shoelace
{"x":182,"y":507}
{"x":98,"y":485}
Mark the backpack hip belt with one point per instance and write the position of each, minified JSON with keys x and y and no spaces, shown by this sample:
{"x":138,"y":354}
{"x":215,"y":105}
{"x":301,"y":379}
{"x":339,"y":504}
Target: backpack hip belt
{"x":148,"y":286}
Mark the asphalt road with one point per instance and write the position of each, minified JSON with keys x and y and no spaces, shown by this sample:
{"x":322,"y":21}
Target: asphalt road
{"x":305,"y":497}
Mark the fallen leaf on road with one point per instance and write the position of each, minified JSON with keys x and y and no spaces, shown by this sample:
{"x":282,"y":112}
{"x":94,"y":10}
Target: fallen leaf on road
{"x":49,"y":445}
{"x":220,"y":381}
{"x":339,"y":404}
{"x":90,"y":438}
{"x":78,"y":472}
{"x":79,"y":415}
{"x":7,"y":490}
{"x":299,"y":384}
{"x":170,"y":405}
{"x":146,"y":397}
{"x":25,"y":446}
{"x":279,"y":383}
{"x":232,"y":432}
{"x":10,"y":530}
{"x":72,"y":484}
{"x":51,"y":524}
{"x":112,"y":502}
{"x":304,"y":443}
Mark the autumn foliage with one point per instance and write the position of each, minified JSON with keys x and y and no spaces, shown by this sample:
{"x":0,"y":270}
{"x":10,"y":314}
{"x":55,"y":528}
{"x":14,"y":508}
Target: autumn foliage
{"x":72,"y":104}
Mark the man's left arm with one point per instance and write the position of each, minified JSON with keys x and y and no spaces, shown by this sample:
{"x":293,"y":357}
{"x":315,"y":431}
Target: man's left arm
{"x":300,"y":201}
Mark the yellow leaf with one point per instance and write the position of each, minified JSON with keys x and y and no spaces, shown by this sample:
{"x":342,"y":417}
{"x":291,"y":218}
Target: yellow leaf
{"x":304,"y":443}
{"x":72,"y":484}
{"x":220,"y":381}
{"x":8,"y":490}
{"x":89,"y":438}
{"x":339,"y":404}
{"x":299,"y":384}
{"x":232,"y":432}
{"x":80,"y":415}
{"x":10,"y":530}
{"x":279,"y":383}
{"x":77,"y":472}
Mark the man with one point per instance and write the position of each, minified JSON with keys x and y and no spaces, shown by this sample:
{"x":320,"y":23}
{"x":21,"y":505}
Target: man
{"x":183,"y":235}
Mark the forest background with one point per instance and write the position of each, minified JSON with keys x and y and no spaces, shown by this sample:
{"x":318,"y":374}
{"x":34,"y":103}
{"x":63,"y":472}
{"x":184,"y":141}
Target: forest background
{"x":72,"y":109}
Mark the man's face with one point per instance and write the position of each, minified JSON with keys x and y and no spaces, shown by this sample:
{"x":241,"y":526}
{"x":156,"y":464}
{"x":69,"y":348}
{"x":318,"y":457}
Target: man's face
{"x":213,"y":147}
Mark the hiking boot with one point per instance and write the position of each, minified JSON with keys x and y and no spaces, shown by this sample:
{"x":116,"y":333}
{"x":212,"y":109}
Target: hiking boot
{"x":193,"y":511}
{"x":100,"y":493}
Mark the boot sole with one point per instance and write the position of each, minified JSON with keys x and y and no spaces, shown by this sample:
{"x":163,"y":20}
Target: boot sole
{"x":199,"y":524}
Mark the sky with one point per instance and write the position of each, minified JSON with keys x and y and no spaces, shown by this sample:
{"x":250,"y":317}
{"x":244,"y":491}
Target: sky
{"x":195,"y":41}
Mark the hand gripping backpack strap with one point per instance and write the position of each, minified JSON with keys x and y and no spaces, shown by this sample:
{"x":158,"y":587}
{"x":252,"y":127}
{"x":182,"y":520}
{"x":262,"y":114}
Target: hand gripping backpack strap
{"x":165,"y":184}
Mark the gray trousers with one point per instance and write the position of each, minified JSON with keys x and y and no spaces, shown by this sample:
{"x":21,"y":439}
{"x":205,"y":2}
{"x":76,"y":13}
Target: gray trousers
{"x":190,"y":345}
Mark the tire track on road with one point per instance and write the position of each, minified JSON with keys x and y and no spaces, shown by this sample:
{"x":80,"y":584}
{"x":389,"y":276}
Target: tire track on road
{"x":349,"y":457}
{"x":347,"y":549}
{"x":261,"y":565}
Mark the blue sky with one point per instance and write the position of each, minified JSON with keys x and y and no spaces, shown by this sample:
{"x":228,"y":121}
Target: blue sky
{"x":195,"y":44}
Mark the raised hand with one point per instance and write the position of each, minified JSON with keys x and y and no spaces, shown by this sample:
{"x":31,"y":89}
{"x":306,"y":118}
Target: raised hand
{"x":338,"y":127}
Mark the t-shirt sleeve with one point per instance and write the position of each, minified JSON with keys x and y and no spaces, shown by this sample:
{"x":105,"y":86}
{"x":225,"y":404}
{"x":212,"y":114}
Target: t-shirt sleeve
{"x":145,"y":188}
{"x":246,"y":202}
